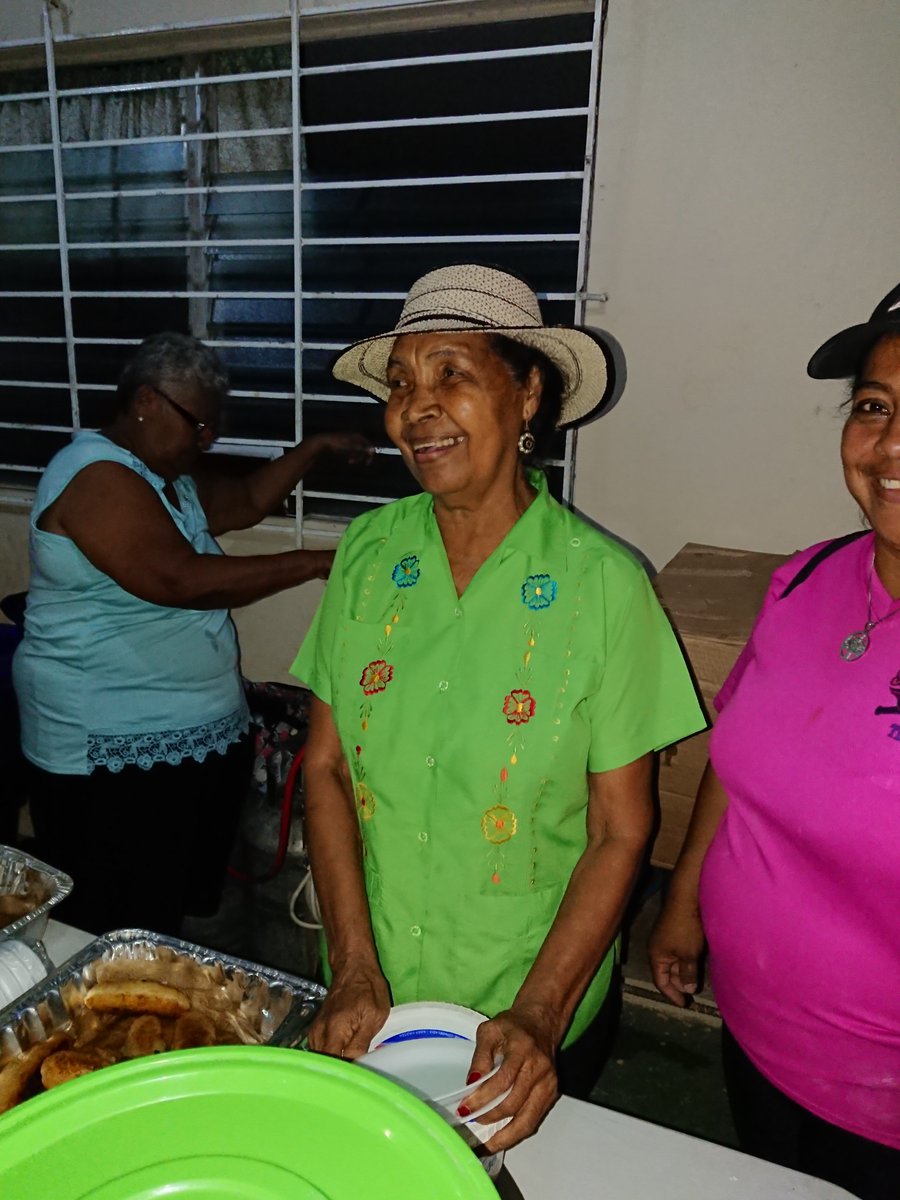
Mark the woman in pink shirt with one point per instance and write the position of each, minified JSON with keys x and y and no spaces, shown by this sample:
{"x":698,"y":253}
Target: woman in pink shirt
{"x":790,"y":872}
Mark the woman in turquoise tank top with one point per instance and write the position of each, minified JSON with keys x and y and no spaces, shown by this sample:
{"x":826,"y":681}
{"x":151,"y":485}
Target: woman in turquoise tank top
{"x":133,"y":716}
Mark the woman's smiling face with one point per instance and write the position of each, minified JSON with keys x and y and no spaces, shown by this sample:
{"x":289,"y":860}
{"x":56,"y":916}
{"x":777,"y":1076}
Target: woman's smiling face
{"x":870,"y":447}
{"x":455,"y":412}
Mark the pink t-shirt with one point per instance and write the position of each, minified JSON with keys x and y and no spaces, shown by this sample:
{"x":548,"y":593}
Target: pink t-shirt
{"x":800,"y":890}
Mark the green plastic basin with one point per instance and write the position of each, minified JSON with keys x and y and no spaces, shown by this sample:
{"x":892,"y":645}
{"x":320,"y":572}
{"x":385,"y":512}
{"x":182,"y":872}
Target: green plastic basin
{"x":234,"y":1123}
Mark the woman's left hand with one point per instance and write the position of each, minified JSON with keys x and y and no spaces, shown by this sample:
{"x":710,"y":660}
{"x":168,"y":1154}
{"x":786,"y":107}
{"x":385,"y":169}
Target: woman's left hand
{"x":526,"y":1041}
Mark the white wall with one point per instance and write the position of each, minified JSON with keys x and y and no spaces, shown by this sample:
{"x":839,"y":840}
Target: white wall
{"x":21,"y":19}
{"x":746,"y":208}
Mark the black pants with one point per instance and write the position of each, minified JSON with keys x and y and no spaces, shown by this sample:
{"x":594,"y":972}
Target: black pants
{"x":770,"y":1125}
{"x":578,"y":1067}
{"x":144,"y":848}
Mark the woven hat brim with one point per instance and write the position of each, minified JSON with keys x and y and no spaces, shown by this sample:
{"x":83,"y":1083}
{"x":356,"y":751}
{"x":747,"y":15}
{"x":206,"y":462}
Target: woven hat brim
{"x":841,"y":356}
{"x":579,"y":359}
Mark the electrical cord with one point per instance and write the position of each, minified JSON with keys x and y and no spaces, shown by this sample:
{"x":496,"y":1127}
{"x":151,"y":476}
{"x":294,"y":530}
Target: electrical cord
{"x":284,"y":830}
{"x":284,"y":834}
{"x":311,"y":900}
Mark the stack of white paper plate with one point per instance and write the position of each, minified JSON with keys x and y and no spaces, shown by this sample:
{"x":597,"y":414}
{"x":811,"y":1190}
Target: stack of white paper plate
{"x":427,"y":1019}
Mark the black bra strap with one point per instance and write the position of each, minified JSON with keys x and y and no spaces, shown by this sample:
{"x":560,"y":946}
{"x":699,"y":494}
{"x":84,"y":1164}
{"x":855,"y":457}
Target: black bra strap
{"x":826,"y":552}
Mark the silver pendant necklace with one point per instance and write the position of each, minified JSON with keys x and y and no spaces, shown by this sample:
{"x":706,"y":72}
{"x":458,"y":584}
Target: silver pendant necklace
{"x":856,"y":644}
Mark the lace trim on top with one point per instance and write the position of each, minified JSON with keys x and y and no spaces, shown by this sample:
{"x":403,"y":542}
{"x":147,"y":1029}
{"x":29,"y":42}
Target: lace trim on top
{"x":117,"y":750}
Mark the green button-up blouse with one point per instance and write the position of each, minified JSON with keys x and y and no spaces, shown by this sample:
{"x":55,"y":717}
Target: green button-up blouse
{"x":470,"y":724}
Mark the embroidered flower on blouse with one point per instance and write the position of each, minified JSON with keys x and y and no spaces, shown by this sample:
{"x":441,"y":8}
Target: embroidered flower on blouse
{"x":365,"y":801}
{"x":499,"y":824}
{"x":376,"y":676}
{"x":406,"y":573}
{"x":538,"y":591}
{"x":518,"y":707}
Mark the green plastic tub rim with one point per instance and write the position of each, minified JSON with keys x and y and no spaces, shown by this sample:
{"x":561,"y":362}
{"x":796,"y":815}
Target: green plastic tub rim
{"x":278,"y":1124}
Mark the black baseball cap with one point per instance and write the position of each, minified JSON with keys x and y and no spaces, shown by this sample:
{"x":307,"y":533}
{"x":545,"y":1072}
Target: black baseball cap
{"x":842,"y":355}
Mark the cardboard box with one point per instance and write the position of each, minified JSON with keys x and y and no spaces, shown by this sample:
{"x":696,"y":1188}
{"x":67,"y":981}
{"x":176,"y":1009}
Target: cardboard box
{"x":712,"y":595}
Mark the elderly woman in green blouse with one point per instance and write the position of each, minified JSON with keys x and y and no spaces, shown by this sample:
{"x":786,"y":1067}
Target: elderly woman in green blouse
{"x":491,"y":676}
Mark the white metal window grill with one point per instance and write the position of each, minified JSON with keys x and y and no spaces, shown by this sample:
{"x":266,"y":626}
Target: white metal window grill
{"x":208,"y":193}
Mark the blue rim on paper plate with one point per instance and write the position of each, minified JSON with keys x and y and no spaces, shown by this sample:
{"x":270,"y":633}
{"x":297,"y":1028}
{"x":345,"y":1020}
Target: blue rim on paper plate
{"x":412,"y":1035}
{"x":428,"y":1019}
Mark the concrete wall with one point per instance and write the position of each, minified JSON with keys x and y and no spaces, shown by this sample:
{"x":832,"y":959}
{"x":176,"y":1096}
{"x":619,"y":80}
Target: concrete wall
{"x":745,"y":209}
{"x":13,"y":548}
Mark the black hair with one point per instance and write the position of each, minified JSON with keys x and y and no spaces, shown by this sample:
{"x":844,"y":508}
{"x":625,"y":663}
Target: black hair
{"x":167,"y":358}
{"x":520,"y":359}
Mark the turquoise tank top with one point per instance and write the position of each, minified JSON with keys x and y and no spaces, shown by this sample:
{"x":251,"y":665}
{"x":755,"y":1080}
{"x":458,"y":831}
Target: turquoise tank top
{"x":105,"y":679}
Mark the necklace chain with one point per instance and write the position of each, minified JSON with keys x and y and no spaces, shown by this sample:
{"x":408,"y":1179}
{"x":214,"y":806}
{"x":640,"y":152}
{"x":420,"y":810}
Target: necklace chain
{"x":856,"y":644}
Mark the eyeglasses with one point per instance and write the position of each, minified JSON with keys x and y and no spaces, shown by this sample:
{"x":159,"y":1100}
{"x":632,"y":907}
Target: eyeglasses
{"x":205,"y":432}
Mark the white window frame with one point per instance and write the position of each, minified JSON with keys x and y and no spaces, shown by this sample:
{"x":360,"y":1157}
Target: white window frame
{"x":195,"y":189}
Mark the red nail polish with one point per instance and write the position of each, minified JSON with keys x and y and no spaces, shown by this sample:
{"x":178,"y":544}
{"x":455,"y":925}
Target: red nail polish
{"x":462,"y":1111}
{"x":473,"y":1077}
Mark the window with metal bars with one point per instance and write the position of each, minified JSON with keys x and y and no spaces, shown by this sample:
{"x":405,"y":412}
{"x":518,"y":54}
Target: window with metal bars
{"x":277,"y":202}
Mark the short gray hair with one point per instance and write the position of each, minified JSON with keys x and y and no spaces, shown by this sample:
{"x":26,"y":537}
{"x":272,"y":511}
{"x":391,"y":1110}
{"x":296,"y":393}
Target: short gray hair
{"x":168,"y":358}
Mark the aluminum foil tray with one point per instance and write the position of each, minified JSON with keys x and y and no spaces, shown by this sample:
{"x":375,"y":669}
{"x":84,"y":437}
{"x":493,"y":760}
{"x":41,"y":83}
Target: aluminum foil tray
{"x":22,"y":875}
{"x":273,"y":1007}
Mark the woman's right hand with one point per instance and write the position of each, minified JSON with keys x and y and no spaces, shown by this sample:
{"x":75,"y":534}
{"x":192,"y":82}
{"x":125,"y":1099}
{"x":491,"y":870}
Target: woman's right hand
{"x":354,"y":447}
{"x":356,"y":1007}
{"x":674,"y":948}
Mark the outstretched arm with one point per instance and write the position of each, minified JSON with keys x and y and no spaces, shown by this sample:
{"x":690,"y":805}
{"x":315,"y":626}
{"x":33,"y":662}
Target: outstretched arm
{"x":242,"y":503}
{"x":121,"y":526}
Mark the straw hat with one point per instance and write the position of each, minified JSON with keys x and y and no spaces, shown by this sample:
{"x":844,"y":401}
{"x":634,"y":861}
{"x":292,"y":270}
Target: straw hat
{"x":476,"y":299}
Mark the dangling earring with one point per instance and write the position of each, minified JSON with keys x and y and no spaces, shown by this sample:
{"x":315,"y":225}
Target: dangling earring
{"x":141,"y":420}
{"x":526,"y":440}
